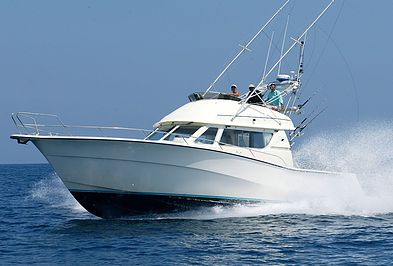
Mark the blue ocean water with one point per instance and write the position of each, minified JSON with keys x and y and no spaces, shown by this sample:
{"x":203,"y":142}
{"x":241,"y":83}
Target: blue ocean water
{"x":41,"y":223}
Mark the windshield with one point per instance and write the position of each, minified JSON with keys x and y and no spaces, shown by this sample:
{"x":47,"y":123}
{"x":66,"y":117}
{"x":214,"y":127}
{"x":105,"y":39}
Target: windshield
{"x":159,"y":133}
{"x":182,"y":132}
{"x":208,"y":136}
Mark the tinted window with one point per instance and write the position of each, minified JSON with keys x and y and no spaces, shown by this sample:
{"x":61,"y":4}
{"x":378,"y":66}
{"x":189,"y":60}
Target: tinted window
{"x":243,"y":138}
{"x":208,"y":136}
{"x":260,"y":139}
{"x":182,"y":132}
{"x":156,"y":135}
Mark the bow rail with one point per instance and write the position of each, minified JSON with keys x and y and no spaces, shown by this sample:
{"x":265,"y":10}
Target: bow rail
{"x":41,"y":124}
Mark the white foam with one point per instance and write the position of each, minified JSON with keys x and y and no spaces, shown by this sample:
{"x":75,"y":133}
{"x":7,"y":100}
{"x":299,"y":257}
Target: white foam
{"x":52,"y":191}
{"x":365,"y":150}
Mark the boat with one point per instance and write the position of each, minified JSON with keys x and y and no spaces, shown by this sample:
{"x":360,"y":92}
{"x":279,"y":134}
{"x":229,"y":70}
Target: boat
{"x":217,"y":149}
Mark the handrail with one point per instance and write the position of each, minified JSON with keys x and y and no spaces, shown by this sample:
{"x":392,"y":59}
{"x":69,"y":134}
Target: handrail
{"x":39,"y":127}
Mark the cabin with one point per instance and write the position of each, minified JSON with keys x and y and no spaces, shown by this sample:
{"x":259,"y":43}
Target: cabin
{"x":224,"y":124}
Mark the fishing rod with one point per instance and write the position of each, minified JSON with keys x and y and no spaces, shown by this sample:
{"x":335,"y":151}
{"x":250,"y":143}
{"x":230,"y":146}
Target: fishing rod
{"x":297,"y":109}
{"x":300,"y":128}
{"x":296,"y":128}
{"x":304,"y":120}
{"x":300,"y":106}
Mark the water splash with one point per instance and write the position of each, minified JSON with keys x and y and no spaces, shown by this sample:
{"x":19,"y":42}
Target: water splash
{"x":363,"y":150}
{"x":52,"y":192}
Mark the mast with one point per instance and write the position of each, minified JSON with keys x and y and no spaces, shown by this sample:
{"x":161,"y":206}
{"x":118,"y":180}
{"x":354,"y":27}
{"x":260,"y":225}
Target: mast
{"x":245,"y":47}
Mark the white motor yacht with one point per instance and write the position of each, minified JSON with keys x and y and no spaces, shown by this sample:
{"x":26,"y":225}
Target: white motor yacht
{"x":217,"y":149}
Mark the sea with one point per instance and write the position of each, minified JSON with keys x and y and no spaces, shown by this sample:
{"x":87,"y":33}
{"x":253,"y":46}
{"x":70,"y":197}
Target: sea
{"x":41,"y":223}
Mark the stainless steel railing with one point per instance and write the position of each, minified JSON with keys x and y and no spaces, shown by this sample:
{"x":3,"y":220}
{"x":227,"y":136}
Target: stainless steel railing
{"x":50,"y":124}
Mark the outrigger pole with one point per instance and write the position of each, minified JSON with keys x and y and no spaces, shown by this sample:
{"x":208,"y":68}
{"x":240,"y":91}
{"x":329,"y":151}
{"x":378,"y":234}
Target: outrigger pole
{"x":245,"y":47}
{"x":282,"y":46}
{"x":268,"y":53}
{"x":294,"y":43}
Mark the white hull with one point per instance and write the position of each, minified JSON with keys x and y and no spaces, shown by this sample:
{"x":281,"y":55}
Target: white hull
{"x":139,"y":167}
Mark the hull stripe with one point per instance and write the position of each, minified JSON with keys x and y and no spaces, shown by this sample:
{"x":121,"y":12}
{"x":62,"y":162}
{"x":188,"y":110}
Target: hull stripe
{"x":110,"y":191}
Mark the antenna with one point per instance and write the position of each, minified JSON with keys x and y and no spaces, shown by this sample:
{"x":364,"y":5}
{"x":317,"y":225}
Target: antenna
{"x":245,"y":47}
{"x":282,"y":46}
{"x":296,"y":42}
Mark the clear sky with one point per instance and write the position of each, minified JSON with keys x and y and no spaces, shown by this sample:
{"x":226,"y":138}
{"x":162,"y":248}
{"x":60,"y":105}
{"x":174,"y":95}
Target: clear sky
{"x":129,"y":63}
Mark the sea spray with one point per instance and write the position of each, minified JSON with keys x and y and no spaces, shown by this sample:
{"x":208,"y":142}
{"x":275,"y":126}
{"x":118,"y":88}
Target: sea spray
{"x":52,"y":191}
{"x":366,"y":151}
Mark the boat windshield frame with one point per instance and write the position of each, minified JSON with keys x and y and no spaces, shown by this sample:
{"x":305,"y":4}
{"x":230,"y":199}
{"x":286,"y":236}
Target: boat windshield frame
{"x":196,"y":137}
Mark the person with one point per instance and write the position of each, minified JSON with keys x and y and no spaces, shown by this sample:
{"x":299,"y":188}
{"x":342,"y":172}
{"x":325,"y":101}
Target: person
{"x":256,"y":96}
{"x":274,"y":98}
{"x":234,"y":91}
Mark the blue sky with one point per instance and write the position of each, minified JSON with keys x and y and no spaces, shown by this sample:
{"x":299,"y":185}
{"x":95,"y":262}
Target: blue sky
{"x":129,"y":63}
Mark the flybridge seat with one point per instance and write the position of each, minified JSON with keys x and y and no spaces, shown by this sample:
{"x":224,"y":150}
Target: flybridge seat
{"x":196,"y":96}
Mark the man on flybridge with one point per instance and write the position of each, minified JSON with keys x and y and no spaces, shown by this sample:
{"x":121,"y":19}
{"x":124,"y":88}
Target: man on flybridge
{"x":274,"y":98}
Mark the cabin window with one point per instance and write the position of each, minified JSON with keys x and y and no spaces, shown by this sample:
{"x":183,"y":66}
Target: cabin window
{"x":242,"y":138}
{"x":182,"y":132}
{"x":159,"y":133}
{"x":208,"y":136}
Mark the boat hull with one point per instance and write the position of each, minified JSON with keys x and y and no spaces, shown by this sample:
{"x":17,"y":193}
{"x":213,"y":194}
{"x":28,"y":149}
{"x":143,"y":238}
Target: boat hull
{"x":114,"y":178}
{"x":115,"y":205}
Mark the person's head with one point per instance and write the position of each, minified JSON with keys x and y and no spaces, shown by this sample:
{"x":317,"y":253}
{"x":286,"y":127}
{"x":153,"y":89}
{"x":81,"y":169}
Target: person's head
{"x":251,"y":87}
{"x":272,"y":86}
{"x":233,"y":88}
